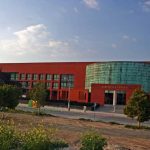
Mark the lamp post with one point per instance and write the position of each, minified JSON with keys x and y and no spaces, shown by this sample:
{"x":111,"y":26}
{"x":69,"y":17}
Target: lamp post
{"x":114,"y":100}
{"x":68,"y":95}
{"x":94,"y":108}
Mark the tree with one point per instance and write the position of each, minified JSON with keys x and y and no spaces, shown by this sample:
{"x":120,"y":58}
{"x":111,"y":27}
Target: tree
{"x":9,"y":96}
{"x":138,"y":106}
{"x":39,"y":94}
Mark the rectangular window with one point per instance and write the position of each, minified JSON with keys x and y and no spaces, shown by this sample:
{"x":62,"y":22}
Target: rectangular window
{"x":63,"y":84}
{"x":17,"y":76}
{"x":28,"y":76}
{"x":56,"y":77}
{"x":64,"y":77}
{"x":48,"y":77}
{"x":14,"y":76}
{"x":48,"y":84}
{"x":41,"y":76}
{"x":55,"y":85}
{"x":67,"y":80}
{"x":22,"y":76}
{"x":35,"y":77}
{"x":71,"y":77}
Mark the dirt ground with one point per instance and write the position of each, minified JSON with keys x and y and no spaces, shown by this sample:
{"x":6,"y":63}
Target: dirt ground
{"x":71,"y":130}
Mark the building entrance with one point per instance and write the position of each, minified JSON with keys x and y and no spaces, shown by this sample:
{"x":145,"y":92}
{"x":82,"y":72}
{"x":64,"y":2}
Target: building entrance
{"x":108,"y":97}
{"x":119,"y":99}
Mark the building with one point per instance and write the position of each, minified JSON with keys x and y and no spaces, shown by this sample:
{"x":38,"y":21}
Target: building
{"x":95,"y":82}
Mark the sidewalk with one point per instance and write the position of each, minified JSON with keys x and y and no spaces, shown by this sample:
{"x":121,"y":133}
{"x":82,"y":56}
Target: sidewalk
{"x":62,"y":109}
{"x":80,"y":114}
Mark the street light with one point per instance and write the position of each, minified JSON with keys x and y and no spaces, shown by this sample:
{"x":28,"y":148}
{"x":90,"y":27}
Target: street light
{"x":68,"y":95}
{"x":94,"y":108}
{"x":114,"y":100}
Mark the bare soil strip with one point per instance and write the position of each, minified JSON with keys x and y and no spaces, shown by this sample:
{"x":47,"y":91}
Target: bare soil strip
{"x":71,"y":130}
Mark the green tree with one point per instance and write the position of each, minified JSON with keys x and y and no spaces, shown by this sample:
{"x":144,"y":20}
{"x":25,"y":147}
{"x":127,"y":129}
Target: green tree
{"x":138,"y":107}
{"x":39,"y":94}
{"x":9,"y":96}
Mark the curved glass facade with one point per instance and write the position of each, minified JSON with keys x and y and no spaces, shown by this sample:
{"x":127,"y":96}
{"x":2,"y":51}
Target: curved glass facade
{"x":118,"y":73}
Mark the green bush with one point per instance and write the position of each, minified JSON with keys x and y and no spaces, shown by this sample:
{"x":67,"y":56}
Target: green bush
{"x":9,"y":96}
{"x":37,"y":138}
{"x":92,"y":141}
{"x":41,"y":139}
{"x":8,"y":137}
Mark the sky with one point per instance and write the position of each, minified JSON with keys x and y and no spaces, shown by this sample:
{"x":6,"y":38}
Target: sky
{"x":74,"y":30}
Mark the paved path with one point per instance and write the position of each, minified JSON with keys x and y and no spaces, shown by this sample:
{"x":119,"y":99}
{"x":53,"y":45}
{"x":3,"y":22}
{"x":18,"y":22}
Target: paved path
{"x":78,"y":114}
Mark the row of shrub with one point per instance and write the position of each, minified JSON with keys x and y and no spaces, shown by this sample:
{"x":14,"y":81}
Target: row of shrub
{"x":40,"y":138}
{"x":37,"y":138}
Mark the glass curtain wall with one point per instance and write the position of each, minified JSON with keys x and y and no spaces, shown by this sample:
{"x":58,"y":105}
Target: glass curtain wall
{"x":118,"y":73}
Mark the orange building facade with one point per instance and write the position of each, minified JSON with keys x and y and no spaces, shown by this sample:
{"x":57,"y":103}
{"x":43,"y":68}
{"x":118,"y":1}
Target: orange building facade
{"x":72,"y":81}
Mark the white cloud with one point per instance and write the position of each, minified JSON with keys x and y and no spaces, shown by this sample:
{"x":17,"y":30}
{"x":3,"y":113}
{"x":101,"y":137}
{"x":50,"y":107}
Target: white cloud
{"x":114,"y":45}
{"x":56,"y":44}
{"x":33,"y":42}
{"x":31,"y":37}
{"x":36,"y":43}
{"x":146,"y":5}
{"x":91,"y":4}
{"x":125,"y":37}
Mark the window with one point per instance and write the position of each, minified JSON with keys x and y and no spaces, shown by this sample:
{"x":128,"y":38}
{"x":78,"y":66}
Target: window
{"x":55,"y":85}
{"x":41,"y":76}
{"x":67,"y":80}
{"x":64,"y":77}
{"x":22,"y":76}
{"x":48,"y":77}
{"x":17,"y":76}
{"x":48,"y":84}
{"x":35,"y":76}
{"x":64,"y":84}
{"x":14,"y":76}
{"x":28,"y":76}
{"x":56,"y":77}
{"x":71,"y":77}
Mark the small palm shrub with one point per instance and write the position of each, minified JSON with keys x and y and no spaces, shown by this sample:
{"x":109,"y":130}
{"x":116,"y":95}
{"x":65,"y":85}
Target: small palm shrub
{"x":92,"y":141}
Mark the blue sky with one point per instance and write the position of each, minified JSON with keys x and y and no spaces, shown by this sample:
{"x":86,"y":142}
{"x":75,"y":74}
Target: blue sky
{"x":74,"y":30}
